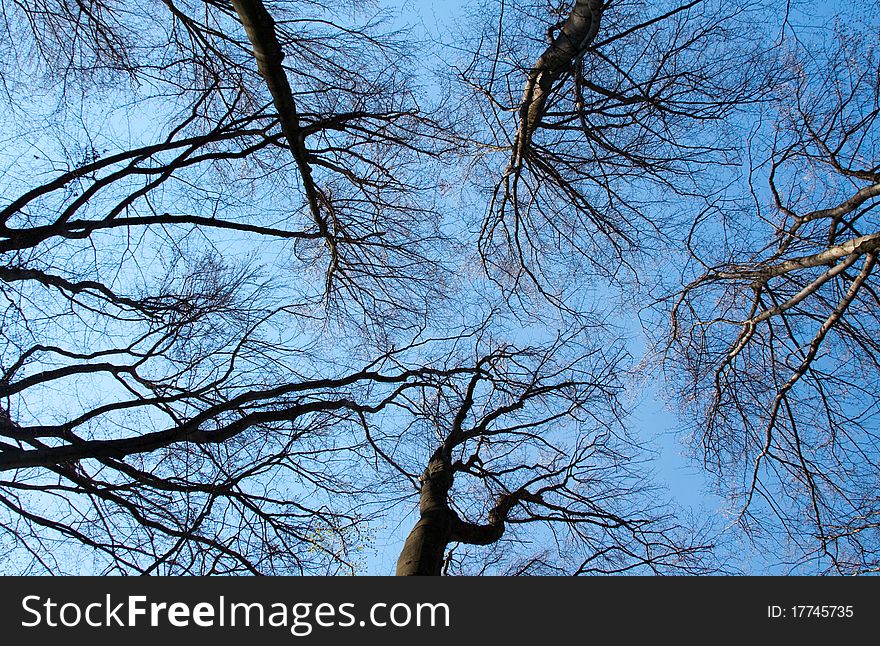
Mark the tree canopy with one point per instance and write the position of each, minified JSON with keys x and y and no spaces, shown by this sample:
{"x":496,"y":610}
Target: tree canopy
{"x":277,"y":276}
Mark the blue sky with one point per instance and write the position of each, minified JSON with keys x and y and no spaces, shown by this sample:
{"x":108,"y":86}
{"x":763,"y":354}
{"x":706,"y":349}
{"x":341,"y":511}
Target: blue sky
{"x":659,"y":427}
{"x":684,"y":480}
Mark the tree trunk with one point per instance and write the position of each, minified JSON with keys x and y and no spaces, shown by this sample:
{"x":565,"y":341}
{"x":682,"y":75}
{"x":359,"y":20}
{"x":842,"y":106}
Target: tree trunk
{"x":439,"y":525}
{"x":423,"y":551}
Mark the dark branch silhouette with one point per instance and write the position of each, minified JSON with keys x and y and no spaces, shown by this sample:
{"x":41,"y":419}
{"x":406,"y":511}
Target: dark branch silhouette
{"x":268,"y":286}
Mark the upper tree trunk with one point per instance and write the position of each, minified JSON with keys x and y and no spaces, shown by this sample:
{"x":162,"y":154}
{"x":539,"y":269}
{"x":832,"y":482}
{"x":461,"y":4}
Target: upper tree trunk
{"x":575,"y":35}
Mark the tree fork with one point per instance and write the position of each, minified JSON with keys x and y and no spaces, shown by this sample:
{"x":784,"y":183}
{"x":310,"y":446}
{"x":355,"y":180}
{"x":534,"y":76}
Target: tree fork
{"x":439,"y":525}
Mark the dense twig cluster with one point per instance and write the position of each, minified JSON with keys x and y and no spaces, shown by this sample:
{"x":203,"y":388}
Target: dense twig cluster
{"x":780,"y":339}
{"x":244,"y":320}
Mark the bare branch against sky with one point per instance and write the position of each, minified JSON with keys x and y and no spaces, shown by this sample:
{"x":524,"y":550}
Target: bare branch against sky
{"x":283,"y":281}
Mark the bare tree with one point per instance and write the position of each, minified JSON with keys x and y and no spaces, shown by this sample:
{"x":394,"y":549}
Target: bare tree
{"x":777,"y":337}
{"x":244,"y":319}
{"x":601,"y":119}
{"x":529,"y":438}
{"x":175,"y":293}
